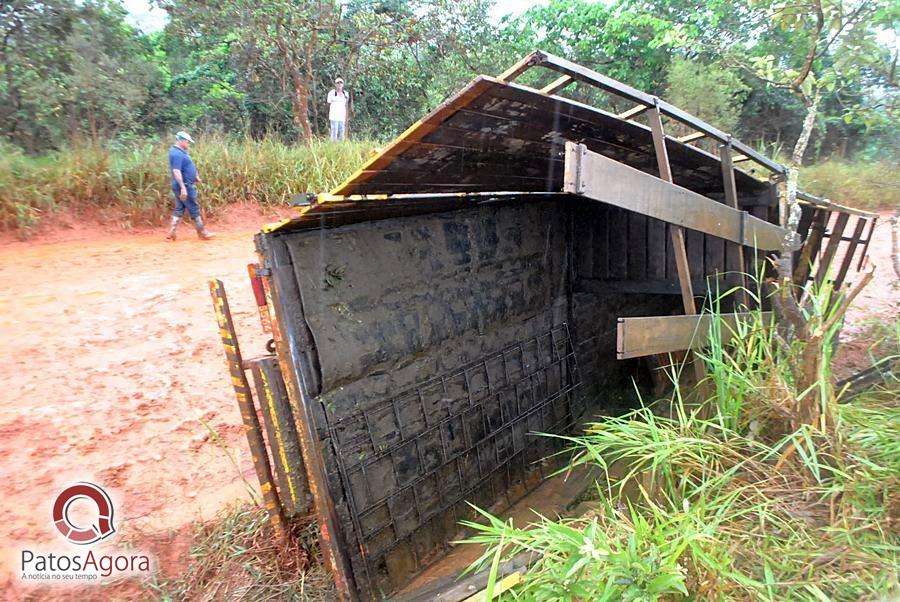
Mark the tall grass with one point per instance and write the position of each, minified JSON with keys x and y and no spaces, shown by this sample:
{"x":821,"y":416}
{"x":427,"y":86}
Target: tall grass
{"x":728,"y":501}
{"x":130,"y":184}
{"x":874,"y":185}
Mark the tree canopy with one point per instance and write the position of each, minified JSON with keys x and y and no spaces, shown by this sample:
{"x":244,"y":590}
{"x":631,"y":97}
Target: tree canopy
{"x":74,"y":71}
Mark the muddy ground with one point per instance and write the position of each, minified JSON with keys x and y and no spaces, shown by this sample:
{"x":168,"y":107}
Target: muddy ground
{"x":112,"y":364}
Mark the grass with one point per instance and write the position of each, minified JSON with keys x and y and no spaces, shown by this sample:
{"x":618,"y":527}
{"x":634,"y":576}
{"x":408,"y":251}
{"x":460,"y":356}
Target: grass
{"x":731,"y":499}
{"x":237,"y":557}
{"x":130,"y":185}
{"x":857,"y":184}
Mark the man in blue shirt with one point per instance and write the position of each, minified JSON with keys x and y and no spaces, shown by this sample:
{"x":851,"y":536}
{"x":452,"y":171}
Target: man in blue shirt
{"x":184,"y":176}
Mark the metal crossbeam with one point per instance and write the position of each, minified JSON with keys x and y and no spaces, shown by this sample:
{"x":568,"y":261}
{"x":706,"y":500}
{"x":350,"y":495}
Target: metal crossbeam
{"x":594,"y":176}
{"x":639,"y":337}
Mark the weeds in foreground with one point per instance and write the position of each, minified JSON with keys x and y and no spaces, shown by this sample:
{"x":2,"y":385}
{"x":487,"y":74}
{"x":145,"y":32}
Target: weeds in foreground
{"x":237,"y":557}
{"x":733,"y":500}
{"x":130,"y":185}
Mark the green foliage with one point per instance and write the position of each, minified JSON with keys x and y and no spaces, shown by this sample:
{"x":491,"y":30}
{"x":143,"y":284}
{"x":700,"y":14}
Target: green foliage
{"x":75,"y":71}
{"x":729,"y":502}
{"x":71,"y":70}
{"x":709,"y":91}
{"x":131,"y":184}
{"x":862,"y":184}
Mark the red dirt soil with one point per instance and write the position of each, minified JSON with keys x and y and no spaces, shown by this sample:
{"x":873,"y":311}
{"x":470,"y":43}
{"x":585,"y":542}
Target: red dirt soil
{"x":111,"y":359}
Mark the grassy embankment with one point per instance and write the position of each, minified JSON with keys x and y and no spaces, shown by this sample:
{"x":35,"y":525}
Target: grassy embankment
{"x":742,"y":500}
{"x":130,"y":186}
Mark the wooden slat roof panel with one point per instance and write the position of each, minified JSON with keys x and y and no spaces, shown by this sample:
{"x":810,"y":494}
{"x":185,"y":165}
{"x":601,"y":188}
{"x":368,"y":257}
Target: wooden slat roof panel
{"x":495,"y":136}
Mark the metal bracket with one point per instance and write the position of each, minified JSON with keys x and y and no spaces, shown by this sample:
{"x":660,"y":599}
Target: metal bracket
{"x":304,"y":199}
{"x":574,"y":179}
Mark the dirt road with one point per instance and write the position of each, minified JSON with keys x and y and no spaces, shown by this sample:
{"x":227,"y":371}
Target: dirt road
{"x":111,"y":363}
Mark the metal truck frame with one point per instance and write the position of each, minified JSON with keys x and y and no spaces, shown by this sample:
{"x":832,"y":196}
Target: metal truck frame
{"x":500,"y":269}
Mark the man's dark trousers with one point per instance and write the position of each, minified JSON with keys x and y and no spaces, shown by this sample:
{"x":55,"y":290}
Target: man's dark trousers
{"x":190,"y":203}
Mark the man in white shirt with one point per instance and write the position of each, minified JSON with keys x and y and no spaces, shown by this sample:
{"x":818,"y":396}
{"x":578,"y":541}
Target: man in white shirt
{"x":337,"y":109}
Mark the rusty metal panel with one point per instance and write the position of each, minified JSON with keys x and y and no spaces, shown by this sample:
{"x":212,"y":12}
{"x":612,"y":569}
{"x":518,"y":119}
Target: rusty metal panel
{"x":638,"y":337}
{"x":605,"y":180}
{"x":410,"y":462}
{"x":370,"y":313}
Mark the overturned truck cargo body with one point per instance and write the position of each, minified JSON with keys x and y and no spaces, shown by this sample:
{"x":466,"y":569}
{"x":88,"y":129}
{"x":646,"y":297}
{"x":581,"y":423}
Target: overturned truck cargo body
{"x":470,"y":285}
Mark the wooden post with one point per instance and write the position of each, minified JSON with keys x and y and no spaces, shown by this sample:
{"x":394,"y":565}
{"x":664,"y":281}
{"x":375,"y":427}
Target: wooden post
{"x":731,"y":198}
{"x":681,"y":259}
{"x":245,"y":402}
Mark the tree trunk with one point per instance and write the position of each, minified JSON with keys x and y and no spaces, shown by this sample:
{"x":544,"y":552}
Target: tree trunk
{"x":789,"y":209}
{"x":787,"y":304}
{"x":299,"y":90}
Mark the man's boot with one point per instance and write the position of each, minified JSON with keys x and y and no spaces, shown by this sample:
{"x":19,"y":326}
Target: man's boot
{"x":170,"y":235}
{"x":202,"y":232}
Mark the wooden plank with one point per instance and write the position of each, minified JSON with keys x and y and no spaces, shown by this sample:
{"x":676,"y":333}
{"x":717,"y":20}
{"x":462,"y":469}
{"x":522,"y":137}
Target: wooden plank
{"x":848,"y":254}
{"x":601,"y":247}
{"x":618,"y":245}
{"x":242,"y":391}
{"x":810,"y":248}
{"x":862,"y":256}
{"x":602,"y":286}
{"x":738,"y":265}
{"x":639,"y":337}
{"x":714,"y":255}
{"x":657,"y":241}
{"x":281,"y":435}
{"x":695,"y":251}
{"x":557,"y":85}
{"x":691,"y":137}
{"x":807,"y":213}
{"x":519,"y":68}
{"x":633,"y":112}
{"x":594,"y":176}
{"x":833,"y":241}
{"x":677,"y":232}
{"x":583,"y":244}
{"x":637,"y":246}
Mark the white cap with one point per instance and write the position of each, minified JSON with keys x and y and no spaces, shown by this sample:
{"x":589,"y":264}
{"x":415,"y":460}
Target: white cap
{"x":182,"y":135}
